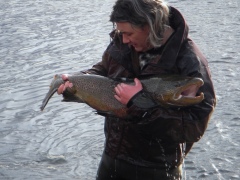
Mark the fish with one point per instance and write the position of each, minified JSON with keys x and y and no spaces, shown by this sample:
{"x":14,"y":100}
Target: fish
{"x":98,"y":92}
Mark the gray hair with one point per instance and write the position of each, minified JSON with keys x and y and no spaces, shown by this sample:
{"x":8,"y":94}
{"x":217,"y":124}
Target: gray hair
{"x":154,"y":13}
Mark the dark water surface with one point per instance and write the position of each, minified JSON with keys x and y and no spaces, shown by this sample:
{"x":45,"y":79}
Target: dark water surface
{"x":40,"y":38}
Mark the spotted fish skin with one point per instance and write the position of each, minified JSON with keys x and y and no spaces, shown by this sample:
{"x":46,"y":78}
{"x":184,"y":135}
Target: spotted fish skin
{"x":98,"y":92}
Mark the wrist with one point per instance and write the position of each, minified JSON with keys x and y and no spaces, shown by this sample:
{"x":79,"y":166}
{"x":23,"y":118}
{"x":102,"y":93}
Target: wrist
{"x":142,"y":100}
{"x":131,"y":101}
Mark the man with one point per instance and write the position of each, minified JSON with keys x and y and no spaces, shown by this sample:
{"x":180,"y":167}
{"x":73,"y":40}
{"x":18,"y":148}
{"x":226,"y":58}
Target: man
{"x":150,"y":38}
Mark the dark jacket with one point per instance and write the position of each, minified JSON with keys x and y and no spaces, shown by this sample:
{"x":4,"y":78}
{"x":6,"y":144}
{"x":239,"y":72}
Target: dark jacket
{"x":157,"y":136}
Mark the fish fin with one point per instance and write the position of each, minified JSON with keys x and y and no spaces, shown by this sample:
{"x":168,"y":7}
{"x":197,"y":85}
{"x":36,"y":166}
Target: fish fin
{"x":69,"y":97}
{"x":72,"y":100}
{"x":123,"y":79}
{"x":47,"y":98}
{"x":104,"y":113}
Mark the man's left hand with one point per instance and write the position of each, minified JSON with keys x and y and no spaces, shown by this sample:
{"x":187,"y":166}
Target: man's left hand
{"x":124,"y":92}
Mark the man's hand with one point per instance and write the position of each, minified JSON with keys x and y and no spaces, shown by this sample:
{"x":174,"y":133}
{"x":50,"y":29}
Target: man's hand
{"x":64,"y":86}
{"x":124,"y":92}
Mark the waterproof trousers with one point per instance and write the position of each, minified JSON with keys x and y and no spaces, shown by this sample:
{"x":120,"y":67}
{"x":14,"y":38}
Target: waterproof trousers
{"x":112,"y":169}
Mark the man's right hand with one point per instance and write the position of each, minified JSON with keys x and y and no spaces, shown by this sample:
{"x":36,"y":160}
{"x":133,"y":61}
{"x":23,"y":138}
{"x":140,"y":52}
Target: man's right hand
{"x":64,"y":86}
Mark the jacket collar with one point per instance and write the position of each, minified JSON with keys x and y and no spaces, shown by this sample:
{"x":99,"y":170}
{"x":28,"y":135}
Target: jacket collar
{"x":173,"y":45}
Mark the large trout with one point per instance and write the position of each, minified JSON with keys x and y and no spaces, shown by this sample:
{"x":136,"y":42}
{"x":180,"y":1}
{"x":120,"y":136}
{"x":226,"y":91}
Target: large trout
{"x":98,"y":92}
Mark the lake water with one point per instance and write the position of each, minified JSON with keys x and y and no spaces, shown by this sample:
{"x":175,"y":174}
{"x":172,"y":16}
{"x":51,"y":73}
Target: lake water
{"x":40,"y":38}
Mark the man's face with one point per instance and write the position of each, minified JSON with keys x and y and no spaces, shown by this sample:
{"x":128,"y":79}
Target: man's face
{"x":133,"y":36}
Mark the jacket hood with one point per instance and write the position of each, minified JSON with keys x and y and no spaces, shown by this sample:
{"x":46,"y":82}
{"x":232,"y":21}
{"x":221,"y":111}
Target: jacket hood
{"x":173,"y":46}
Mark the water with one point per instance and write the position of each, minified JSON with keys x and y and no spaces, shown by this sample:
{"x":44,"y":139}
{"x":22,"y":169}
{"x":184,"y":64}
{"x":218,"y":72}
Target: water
{"x":41,"y":38}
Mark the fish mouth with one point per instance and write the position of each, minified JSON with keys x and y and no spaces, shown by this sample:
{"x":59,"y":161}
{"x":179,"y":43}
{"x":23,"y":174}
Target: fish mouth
{"x":187,"y":94}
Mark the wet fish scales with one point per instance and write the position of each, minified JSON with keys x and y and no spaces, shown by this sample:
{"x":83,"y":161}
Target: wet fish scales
{"x":98,"y":92}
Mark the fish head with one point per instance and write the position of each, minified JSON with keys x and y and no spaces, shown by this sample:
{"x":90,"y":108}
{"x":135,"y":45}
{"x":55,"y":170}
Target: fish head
{"x":185,"y":92}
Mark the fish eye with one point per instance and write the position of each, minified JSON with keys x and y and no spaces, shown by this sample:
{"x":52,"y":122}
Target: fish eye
{"x":178,"y":83}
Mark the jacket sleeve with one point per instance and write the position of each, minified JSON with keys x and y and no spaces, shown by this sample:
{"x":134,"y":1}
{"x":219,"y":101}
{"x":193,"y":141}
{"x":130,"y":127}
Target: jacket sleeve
{"x":178,"y":124}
